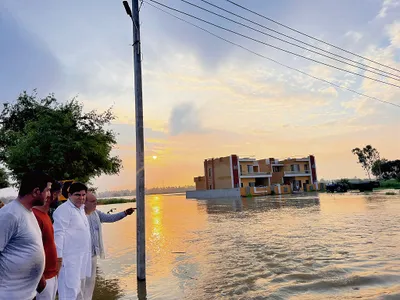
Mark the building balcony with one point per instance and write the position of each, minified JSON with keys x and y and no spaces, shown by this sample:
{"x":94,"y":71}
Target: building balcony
{"x":255,"y":175}
{"x":297,"y":173}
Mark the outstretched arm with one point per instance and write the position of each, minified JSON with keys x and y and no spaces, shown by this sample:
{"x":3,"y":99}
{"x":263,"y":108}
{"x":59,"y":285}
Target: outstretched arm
{"x":111,"y":218}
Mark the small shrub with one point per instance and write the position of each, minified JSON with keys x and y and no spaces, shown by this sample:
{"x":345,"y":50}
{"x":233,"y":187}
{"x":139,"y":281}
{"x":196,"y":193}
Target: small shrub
{"x":390,"y":193}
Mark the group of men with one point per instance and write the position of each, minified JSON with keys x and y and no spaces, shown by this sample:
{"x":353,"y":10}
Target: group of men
{"x":39,"y":257}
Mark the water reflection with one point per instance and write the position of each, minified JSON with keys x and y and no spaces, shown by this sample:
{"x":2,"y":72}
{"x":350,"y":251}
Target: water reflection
{"x":142,"y":290}
{"x":107,"y":289}
{"x":315,"y":247}
{"x":258,"y":205}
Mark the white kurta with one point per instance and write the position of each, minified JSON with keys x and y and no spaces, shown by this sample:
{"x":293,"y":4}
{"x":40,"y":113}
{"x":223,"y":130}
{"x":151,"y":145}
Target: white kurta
{"x":73,"y":243}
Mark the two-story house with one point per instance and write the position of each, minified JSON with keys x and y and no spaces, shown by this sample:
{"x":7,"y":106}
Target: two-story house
{"x":234,"y":172}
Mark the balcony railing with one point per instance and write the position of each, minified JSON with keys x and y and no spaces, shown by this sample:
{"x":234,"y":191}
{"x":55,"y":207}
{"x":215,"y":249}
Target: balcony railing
{"x":306,"y":172}
{"x":255,"y":173}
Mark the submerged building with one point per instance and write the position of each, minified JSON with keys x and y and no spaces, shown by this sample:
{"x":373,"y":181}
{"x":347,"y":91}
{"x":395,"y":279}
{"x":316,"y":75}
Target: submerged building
{"x":234,"y":172}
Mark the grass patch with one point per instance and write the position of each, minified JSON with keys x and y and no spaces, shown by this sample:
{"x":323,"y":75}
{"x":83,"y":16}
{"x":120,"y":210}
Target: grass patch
{"x":390,"y":184}
{"x":115,"y":201}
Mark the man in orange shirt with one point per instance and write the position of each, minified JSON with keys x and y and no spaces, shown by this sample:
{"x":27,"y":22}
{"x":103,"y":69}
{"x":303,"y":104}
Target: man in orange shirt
{"x":49,"y":278}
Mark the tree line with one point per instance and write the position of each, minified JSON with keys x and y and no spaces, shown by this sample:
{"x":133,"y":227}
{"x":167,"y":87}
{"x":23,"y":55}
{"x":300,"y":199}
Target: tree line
{"x":373,"y":164}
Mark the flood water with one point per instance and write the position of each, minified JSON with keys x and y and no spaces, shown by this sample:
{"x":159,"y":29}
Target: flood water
{"x":311,"y":247}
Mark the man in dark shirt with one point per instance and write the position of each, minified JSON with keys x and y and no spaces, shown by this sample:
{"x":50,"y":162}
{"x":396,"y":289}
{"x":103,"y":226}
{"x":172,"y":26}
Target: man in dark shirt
{"x":54,"y":202}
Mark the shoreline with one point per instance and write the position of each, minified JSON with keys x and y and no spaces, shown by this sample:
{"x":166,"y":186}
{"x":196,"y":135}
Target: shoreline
{"x":114,"y":201}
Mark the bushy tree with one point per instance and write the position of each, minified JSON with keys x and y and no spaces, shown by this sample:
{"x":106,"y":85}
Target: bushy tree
{"x":58,"y":138}
{"x":387,"y":169}
{"x":367,"y":156}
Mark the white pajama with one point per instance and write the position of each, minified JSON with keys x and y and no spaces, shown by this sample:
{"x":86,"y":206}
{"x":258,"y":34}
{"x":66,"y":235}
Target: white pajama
{"x":91,"y":281}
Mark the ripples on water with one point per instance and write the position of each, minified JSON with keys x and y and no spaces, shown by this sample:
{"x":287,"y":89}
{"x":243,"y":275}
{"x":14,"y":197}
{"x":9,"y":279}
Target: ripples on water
{"x":314,"y":247}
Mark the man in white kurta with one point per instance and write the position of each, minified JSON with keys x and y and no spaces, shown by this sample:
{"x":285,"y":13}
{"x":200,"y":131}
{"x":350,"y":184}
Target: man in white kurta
{"x":73,"y":243}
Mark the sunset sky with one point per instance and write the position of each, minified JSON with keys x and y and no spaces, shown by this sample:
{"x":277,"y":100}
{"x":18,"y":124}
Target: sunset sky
{"x":202,"y":96}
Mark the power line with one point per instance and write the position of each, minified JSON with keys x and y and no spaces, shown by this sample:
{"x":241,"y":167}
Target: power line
{"x":297,"y":40}
{"x":290,"y":43}
{"x":273,"y":60}
{"x":272,"y":46}
{"x":311,"y":37}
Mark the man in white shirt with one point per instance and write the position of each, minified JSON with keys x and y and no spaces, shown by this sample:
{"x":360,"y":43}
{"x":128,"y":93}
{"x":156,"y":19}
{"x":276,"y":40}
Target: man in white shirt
{"x":21,"y":248}
{"x":95,"y":218}
{"x":72,"y":238}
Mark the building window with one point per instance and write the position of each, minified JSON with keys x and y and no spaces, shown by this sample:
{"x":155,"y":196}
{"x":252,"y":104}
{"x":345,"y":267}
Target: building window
{"x":252,"y":184}
{"x":275,"y":169}
{"x":249,"y":169}
{"x":306,"y":168}
{"x":241,"y":184}
{"x":241,"y":169}
{"x":295,"y":168}
{"x":209,"y":172}
{"x":211,"y":187}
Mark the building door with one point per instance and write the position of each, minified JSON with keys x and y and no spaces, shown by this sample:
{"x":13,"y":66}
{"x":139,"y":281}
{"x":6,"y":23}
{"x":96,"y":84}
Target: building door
{"x":296,"y":185}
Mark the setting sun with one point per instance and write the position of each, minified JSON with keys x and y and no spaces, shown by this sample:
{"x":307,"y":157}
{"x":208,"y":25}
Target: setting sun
{"x":154,"y":157}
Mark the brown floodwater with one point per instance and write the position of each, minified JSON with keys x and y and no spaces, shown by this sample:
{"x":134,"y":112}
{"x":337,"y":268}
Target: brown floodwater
{"x":341,"y":246}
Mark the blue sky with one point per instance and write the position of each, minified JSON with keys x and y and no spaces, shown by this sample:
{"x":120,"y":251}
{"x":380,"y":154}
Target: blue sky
{"x":204,"y":97}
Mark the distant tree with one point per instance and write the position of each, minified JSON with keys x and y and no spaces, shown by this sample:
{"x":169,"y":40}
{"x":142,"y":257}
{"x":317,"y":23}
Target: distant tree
{"x":345,"y":182}
{"x":376,"y":169}
{"x":367,"y":157}
{"x":387,"y":169}
{"x":58,"y":138}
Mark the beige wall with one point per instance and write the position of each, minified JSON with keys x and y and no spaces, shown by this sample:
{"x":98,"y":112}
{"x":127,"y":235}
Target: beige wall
{"x":244,"y":192}
{"x":200,"y":183}
{"x":264,"y":167}
{"x":301,"y":164}
{"x":246,"y":181}
{"x":277,"y":178}
{"x":285,"y":189}
{"x":303,"y":179}
{"x":244,"y":165}
{"x":222,"y":173}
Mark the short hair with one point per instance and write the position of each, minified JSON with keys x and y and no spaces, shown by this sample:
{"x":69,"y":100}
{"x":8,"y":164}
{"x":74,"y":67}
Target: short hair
{"x":55,"y":187}
{"x":77,"y":187}
{"x":33,"y":180}
{"x":65,"y":188}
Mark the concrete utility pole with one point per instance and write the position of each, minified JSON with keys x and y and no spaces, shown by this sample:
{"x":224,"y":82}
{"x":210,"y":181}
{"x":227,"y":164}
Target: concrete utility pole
{"x":140,"y":215}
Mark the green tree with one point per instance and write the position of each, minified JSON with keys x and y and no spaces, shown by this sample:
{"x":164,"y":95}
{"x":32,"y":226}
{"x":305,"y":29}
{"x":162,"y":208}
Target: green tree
{"x":387,"y":169}
{"x":345,"y":182}
{"x":376,"y":169}
{"x":58,"y":138}
{"x":367,"y":156}
{"x":4,"y":183}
